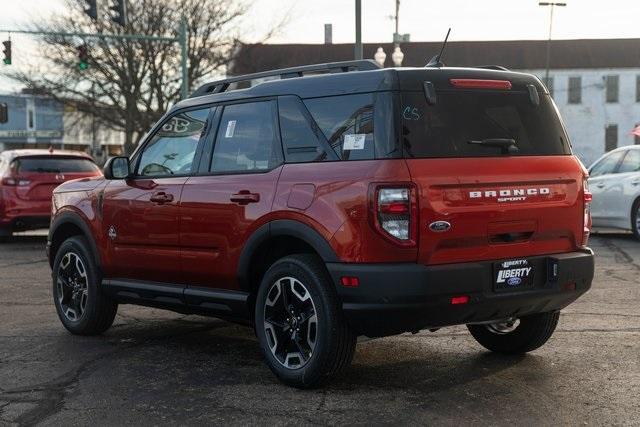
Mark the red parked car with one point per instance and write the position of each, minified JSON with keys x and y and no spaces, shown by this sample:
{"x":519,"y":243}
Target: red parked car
{"x":361,"y":201}
{"x":27,"y":180}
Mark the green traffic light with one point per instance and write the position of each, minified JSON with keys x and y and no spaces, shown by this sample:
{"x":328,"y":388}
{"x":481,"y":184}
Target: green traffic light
{"x":83,"y":65}
{"x":6,"y":61}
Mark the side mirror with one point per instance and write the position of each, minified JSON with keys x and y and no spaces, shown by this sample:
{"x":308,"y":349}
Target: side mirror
{"x":117,"y":168}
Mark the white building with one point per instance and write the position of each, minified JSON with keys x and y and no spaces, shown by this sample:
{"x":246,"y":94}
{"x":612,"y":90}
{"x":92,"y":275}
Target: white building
{"x":600,"y":107}
{"x":595,"y":83}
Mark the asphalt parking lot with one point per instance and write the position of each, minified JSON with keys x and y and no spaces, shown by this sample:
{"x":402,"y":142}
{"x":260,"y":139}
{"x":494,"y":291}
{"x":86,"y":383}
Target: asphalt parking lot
{"x":159,"y":368}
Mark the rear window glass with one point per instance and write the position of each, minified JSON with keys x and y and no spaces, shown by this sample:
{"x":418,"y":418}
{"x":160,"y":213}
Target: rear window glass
{"x":357,"y":127}
{"x":54,"y":165}
{"x":445,"y":129}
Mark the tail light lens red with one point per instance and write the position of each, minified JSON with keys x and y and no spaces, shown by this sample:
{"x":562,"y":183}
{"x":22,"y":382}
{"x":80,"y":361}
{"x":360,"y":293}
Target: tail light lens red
{"x":12,"y":182}
{"x":395,"y":213}
{"x":461,"y":299}
{"x":9,"y":181}
{"x":481,"y":84}
{"x":587,"y":198}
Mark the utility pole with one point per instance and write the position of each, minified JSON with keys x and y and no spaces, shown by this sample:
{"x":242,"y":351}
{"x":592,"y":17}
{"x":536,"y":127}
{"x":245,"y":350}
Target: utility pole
{"x":182,"y":39}
{"x":358,"y":47}
{"x":397,"y":18}
{"x":551,"y":6}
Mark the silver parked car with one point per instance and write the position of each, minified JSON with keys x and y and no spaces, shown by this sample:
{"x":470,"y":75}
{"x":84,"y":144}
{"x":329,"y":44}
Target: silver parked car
{"x":615,"y":184}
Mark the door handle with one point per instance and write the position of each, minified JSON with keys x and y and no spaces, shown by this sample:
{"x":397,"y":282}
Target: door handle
{"x":600,"y":185}
{"x":634,"y":183}
{"x":244,"y":197}
{"x":161,"y":197}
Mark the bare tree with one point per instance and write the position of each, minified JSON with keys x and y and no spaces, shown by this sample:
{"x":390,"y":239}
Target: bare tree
{"x":130,"y":83}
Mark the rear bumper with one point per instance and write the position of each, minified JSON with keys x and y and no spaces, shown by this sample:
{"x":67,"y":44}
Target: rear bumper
{"x":17,"y":214}
{"x":25,"y":222}
{"x":395,"y":298}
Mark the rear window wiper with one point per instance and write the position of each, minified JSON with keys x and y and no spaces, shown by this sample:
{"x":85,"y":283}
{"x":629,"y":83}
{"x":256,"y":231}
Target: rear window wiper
{"x":507,"y":145}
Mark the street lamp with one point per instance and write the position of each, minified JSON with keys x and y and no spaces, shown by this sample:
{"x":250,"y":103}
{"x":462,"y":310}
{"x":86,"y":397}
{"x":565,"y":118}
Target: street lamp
{"x":397,"y":56}
{"x":552,"y":5}
{"x":380,"y":57}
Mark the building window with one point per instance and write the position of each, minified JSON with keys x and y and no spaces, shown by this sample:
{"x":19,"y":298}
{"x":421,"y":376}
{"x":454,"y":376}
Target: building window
{"x":575,"y":90}
{"x":638,"y":88}
{"x":612,"y":83}
{"x":549,"y":84}
{"x":610,"y":137}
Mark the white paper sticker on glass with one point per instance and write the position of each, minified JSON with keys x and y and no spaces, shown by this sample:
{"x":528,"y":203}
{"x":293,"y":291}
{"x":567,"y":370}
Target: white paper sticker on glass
{"x":231,"y":128}
{"x":354,"y":141}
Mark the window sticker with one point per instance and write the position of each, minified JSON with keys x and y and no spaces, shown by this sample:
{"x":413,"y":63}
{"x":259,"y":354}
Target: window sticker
{"x":354,"y":141}
{"x":231,"y":128}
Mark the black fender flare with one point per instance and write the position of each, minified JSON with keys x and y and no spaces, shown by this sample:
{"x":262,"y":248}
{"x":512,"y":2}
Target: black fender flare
{"x":70,"y":217}
{"x":277,"y":228}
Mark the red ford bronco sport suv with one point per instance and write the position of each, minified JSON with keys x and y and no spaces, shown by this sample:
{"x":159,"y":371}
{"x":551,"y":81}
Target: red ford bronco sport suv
{"x":27,"y":180}
{"x":352,"y":201}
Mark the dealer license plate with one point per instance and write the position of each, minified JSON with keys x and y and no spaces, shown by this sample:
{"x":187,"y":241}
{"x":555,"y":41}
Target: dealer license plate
{"x":514,"y":274}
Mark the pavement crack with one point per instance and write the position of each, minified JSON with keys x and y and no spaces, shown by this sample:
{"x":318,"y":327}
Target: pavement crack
{"x":581,"y":313}
{"x":53,"y":393}
{"x":38,"y":261}
{"x":323,"y":401}
{"x":598,"y":330}
{"x":620,"y":253}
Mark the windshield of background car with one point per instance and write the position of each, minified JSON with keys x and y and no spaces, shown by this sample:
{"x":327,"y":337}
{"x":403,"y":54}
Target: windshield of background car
{"x":460,"y":116}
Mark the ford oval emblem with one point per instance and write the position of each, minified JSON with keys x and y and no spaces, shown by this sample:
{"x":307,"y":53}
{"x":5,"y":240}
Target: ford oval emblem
{"x":514,"y":281}
{"x":439,"y":226}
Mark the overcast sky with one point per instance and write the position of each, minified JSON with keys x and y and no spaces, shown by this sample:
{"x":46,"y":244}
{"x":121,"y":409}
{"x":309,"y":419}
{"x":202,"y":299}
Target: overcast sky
{"x":425,"y":20}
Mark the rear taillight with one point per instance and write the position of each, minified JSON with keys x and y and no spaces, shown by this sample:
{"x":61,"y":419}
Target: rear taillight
{"x":395,"y":213}
{"x":9,"y":181}
{"x":587,"y":198}
{"x":12,"y":182}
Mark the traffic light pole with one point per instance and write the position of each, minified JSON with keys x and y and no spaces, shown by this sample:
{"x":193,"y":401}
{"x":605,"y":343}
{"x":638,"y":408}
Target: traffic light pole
{"x":181,"y":40}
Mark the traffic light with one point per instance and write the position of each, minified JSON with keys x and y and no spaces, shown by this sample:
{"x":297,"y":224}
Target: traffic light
{"x":83,"y":57}
{"x":4,"y":113}
{"x":92,"y":10}
{"x":119,"y":15}
{"x":7,"y":52}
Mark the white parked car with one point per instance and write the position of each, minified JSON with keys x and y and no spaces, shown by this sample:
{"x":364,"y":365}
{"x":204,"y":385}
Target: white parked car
{"x":615,"y":184}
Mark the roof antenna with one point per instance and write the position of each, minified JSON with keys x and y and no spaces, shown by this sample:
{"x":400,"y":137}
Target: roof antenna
{"x":436,"y":60}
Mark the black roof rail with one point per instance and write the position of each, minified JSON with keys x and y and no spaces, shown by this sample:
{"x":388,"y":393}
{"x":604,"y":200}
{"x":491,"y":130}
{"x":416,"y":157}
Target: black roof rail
{"x":219,"y":86}
{"x":492,"y":67}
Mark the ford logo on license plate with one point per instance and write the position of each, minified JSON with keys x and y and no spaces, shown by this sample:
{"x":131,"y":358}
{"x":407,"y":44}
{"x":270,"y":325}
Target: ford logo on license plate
{"x":514,"y":281}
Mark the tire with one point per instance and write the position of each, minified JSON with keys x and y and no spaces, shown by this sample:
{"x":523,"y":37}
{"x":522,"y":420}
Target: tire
{"x":529,"y":334}
{"x":325,"y":344}
{"x":635,"y":219}
{"x":82,"y":308}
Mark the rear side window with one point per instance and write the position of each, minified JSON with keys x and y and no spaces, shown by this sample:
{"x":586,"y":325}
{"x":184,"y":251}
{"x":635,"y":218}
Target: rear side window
{"x":445,"y":129}
{"x":54,"y":165}
{"x":247,"y":138}
{"x":607,"y":165}
{"x":357,"y":127}
{"x":302,"y":141}
{"x":631,"y":162}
